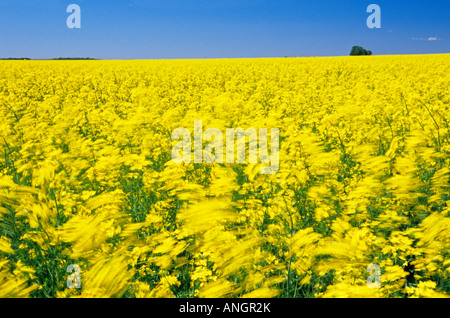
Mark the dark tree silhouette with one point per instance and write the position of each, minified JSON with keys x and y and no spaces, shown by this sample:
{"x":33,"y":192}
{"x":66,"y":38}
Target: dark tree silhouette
{"x":359,"y":50}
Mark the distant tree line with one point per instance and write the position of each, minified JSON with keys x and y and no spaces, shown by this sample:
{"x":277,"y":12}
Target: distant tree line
{"x":15,"y":58}
{"x":359,"y":50}
{"x":58,"y":58}
{"x":74,"y":58}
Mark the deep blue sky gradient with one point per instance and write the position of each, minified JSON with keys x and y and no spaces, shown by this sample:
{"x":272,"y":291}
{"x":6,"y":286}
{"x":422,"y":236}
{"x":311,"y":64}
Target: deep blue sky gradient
{"x":156,"y":29}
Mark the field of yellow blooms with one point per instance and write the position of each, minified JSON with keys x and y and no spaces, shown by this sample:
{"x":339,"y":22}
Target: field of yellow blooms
{"x":87,"y":180}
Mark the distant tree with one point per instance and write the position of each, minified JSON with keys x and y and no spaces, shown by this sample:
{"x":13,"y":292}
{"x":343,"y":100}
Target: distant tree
{"x":359,"y":50}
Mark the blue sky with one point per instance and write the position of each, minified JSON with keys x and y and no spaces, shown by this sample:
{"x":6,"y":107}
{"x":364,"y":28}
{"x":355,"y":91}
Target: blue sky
{"x":139,"y":29}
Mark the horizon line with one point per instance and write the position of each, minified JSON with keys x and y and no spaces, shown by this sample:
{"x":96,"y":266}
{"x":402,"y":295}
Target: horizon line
{"x":199,"y":58}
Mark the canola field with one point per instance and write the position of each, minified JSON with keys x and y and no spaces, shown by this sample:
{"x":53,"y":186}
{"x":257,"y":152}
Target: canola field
{"x":92,"y":205}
